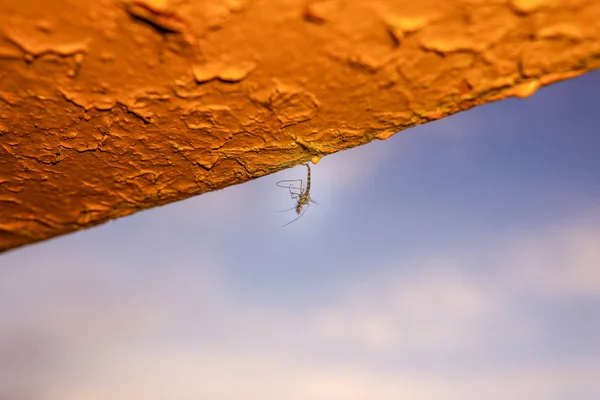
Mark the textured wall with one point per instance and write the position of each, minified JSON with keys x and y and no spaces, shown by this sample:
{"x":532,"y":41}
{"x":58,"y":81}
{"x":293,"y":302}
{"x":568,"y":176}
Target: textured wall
{"x":108,"y":107}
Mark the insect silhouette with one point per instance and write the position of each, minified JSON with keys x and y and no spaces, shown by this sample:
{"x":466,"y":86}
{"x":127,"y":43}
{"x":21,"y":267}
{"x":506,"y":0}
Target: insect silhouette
{"x":298,"y":193}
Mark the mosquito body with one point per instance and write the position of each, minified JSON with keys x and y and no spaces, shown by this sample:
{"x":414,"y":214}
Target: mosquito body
{"x":300,"y":194}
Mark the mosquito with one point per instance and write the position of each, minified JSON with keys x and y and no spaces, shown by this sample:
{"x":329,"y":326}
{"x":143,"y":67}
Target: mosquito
{"x":300,"y":194}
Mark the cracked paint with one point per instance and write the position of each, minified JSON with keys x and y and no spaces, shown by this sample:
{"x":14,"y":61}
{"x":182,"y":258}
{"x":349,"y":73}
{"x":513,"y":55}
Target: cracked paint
{"x":115,"y":106}
{"x":291,"y":104}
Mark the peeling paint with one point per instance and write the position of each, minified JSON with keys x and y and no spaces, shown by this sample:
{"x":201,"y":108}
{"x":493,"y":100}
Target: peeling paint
{"x":88,"y":101}
{"x":321,"y":11}
{"x":108,"y":108}
{"x":225,"y":72}
{"x":38,"y":46}
{"x":476,"y":33}
{"x":526,"y":89}
{"x":291,"y":104}
{"x":158,"y":15}
{"x":368,"y":57}
{"x":530,"y":6}
{"x":399,"y":25}
{"x":385,"y":135}
{"x":561,"y":30}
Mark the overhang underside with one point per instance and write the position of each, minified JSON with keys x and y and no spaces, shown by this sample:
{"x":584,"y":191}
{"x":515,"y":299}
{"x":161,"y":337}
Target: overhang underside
{"x":110,"y":107}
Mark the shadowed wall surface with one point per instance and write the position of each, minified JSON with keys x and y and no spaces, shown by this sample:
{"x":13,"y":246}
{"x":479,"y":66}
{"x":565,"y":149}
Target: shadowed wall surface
{"x":110,"y":107}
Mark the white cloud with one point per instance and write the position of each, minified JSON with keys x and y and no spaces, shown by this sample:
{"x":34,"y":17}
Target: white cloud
{"x":192,"y":375}
{"x":438,"y":309}
{"x":565,"y":260}
{"x":436,"y":331}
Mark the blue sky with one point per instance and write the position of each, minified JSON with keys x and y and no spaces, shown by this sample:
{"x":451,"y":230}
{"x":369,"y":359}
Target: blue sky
{"x":458,"y":260}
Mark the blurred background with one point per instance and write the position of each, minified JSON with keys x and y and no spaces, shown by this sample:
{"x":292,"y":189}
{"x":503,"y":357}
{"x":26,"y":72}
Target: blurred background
{"x":456,"y":260}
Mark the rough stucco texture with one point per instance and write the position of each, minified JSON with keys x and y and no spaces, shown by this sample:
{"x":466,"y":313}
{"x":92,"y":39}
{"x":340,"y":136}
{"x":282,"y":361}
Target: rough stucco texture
{"x":108,"y":107}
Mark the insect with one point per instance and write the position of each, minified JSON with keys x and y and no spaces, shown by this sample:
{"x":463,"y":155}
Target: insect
{"x":300,"y":194}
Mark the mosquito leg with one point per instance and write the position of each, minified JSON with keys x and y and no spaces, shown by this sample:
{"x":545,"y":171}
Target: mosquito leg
{"x":300,"y":190}
{"x":297,"y":218}
{"x":294,"y":190}
{"x":289,"y":209}
{"x":288,"y":182}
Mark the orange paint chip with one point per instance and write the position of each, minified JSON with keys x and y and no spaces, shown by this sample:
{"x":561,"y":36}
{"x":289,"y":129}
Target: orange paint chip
{"x":385,"y":135}
{"x":452,"y":42}
{"x":39,"y":46}
{"x":312,"y":14}
{"x":396,"y":34}
{"x":529,"y":6}
{"x":559,"y":31}
{"x":155,"y":14}
{"x":236,"y":5}
{"x":237,"y":72}
{"x":206,"y":72}
{"x":319,"y":12}
{"x":526,"y":89}
{"x":407,"y":24}
{"x":155,"y":4}
{"x":104,"y":104}
{"x":559,"y":76}
{"x":6,"y":52}
{"x":232,"y":73}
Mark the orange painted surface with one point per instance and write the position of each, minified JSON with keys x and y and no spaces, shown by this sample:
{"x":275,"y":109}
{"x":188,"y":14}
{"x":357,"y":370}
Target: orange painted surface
{"x":109,"y":107}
